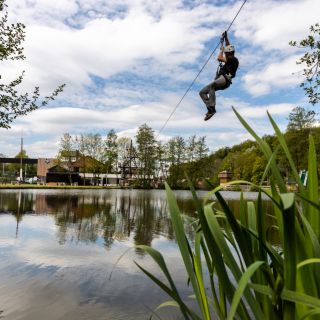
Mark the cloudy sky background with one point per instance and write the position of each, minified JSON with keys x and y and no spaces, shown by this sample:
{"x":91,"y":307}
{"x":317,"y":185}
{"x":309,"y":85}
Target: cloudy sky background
{"x":129,"y":62}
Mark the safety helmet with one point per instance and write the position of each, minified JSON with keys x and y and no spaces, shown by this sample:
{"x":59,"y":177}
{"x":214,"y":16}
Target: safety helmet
{"x":229,"y":48}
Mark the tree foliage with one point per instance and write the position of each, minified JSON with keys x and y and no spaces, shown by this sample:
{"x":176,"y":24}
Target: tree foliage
{"x":146,"y":149}
{"x":300,"y":118}
{"x":111,"y":150}
{"x":12,"y":102}
{"x":311,"y":62}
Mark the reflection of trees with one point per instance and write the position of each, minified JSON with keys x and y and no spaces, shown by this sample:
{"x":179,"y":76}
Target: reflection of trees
{"x":17,"y":203}
{"x":86,"y":217}
{"x":89,"y":216}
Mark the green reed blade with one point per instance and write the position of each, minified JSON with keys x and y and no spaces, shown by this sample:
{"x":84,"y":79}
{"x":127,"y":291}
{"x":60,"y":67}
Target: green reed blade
{"x":307,"y":262}
{"x":242,"y":209}
{"x":313,"y":188}
{"x":300,"y":298}
{"x":220,"y":239}
{"x":311,"y":234}
{"x":184,"y":309}
{"x":265,"y":148}
{"x":242,"y":285}
{"x":276,"y":259}
{"x":271,"y":160}
{"x":184,"y":250}
{"x":228,"y":257}
{"x":313,"y":204}
{"x":226,"y":288}
{"x":261,"y":227}
{"x":198,"y":271}
{"x":241,"y":238}
{"x":236,"y":182}
{"x":289,"y":249}
{"x":289,"y":295}
{"x":310,"y":314}
{"x":158,"y":258}
{"x":285,"y":148}
{"x":170,"y":303}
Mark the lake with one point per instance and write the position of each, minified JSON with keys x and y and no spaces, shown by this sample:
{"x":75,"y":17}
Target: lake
{"x":59,"y":247}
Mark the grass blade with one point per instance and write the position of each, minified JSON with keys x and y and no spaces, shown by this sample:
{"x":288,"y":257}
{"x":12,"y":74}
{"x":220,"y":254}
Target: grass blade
{"x":243,"y":283}
{"x":313,"y":187}
{"x":307,"y":262}
{"x":184,"y":309}
{"x":266,"y":151}
{"x":184,"y":250}
{"x":289,"y":249}
{"x":287,"y":153}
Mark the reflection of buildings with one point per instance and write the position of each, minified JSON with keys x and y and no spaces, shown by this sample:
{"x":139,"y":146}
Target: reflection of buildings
{"x":90,"y":215}
{"x":107,"y":216}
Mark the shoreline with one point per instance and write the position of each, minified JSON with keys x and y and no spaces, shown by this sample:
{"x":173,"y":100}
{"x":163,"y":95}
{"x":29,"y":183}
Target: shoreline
{"x":30,"y":186}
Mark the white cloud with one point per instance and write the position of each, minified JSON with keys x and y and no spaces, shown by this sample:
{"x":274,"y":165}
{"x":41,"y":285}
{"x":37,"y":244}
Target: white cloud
{"x":49,"y":124}
{"x":161,"y":43}
{"x":275,"y":76}
{"x":106,"y":46}
{"x":272,"y":24}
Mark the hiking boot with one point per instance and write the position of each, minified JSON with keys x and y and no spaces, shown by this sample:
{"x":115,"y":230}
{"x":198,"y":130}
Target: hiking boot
{"x":209,"y":115}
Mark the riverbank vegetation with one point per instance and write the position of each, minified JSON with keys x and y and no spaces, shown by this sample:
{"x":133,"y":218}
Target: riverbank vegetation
{"x":235,"y":268}
{"x":154,"y":161}
{"x":171,"y":160}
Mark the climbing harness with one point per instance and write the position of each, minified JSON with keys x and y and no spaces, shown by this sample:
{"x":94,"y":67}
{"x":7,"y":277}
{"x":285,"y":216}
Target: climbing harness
{"x":197,"y":76}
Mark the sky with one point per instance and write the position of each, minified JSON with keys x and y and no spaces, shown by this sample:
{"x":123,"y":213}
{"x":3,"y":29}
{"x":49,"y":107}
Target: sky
{"x":126,"y":63}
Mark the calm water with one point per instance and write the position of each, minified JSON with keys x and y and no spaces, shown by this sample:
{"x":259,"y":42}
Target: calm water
{"x":58,"y":248}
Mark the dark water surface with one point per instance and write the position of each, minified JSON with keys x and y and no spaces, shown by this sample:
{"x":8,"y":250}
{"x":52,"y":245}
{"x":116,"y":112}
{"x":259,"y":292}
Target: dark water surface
{"x":58,"y":248}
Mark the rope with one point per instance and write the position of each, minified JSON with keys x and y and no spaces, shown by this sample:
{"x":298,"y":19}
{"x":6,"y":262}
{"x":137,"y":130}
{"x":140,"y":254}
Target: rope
{"x":198,"y":74}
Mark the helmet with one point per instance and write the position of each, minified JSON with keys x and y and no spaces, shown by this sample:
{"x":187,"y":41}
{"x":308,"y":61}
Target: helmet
{"x":229,"y":48}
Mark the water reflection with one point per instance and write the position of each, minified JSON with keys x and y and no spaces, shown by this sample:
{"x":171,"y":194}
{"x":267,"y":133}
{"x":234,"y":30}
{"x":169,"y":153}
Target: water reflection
{"x":86,"y":216}
{"x":58,"y":247}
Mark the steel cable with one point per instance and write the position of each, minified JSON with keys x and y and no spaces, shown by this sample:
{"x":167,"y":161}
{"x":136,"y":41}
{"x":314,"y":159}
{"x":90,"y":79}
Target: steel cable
{"x":198,"y":74}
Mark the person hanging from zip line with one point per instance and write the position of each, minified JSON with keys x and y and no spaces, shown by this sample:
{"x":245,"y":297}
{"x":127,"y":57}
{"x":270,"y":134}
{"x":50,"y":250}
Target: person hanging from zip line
{"x":228,"y":65}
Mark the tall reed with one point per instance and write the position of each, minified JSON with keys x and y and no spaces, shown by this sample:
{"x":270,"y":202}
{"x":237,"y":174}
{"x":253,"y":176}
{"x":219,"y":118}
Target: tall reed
{"x":250,"y":277}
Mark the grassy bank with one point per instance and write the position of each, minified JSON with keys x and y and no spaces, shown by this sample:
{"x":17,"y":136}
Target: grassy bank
{"x":34,"y":186}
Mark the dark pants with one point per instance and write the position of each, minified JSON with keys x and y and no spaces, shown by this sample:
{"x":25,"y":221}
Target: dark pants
{"x":208,"y":93}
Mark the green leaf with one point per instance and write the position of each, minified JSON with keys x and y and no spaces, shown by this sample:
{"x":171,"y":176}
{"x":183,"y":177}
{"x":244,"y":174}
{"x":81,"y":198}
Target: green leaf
{"x":184,"y":309}
{"x":307,"y":262}
{"x":287,"y":153}
{"x":289,"y":249}
{"x":184,"y":250}
{"x":242,"y":286}
{"x":228,"y":257}
{"x":226,"y":288}
{"x":265,"y":148}
{"x":287,"y":200}
{"x":300,"y":298}
{"x":313,"y":188}
{"x":170,"y":303}
{"x":310,"y":314}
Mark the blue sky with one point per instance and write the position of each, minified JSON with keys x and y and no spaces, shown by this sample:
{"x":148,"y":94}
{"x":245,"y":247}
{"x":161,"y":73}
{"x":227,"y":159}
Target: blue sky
{"x":129,"y":62}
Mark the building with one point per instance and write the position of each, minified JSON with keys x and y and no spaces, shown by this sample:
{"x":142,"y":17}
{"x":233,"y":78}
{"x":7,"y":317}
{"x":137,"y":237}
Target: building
{"x":54,"y":171}
{"x":224,"y":177}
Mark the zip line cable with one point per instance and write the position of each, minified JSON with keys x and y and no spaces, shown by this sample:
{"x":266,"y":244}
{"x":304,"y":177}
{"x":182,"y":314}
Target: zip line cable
{"x":198,"y":74}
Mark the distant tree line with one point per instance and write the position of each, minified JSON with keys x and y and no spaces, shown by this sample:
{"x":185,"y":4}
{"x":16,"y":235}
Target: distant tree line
{"x":246,"y":162}
{"x":156,"y":161}
{"x":170,"y":161}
